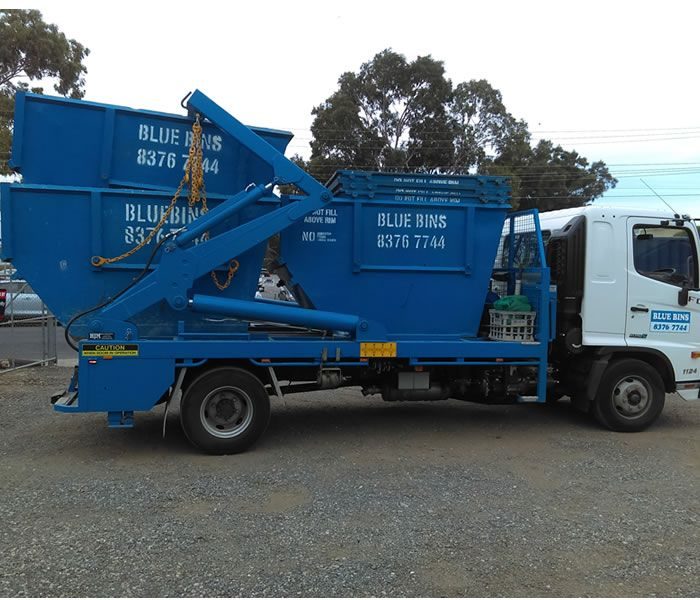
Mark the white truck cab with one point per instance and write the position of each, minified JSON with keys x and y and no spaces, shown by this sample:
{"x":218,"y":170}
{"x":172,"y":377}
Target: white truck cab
{"x":628,"y":318}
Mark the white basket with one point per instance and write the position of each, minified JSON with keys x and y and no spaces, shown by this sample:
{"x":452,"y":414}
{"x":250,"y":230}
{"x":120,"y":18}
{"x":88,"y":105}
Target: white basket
{"x":512,"y":326}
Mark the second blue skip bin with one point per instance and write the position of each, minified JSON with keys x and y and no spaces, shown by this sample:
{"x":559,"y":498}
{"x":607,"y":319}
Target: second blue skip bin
{"x":59,"y":141}
{"x":418,"y":264}
{"x":50,"y":234}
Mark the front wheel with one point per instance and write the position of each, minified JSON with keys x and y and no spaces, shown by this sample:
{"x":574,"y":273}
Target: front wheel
{"x":225,"y":410}
{"x":630,"y":397}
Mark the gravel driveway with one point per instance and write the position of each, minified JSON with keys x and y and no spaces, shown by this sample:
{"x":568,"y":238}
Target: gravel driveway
{"x":347,"y":496}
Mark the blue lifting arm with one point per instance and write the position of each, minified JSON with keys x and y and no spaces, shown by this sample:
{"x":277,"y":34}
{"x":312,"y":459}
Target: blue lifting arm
{"x":285,"y":170}
{"x":181,"y":264}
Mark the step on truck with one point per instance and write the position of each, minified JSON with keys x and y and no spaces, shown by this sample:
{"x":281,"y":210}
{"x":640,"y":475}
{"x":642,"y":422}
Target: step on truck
{"x":145,"y":234}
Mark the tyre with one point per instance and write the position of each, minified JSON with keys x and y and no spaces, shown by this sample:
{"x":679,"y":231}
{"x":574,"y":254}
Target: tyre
{"x":630,"y":397}
{"x":225,"y":410}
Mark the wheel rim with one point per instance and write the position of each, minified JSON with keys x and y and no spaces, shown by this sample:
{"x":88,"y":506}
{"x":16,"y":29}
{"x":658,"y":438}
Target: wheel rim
{"x":632,"y":397}
{"x":226,"y":412}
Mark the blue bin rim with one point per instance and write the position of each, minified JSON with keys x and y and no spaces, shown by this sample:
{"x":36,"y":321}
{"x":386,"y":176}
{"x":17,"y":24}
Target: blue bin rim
{"x":118,"y":190}
{"x":465,"y":201}
{"x":363,"y":174}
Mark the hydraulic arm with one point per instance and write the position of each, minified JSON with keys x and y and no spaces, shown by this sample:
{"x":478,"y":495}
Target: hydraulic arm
{"x":182,"y":262}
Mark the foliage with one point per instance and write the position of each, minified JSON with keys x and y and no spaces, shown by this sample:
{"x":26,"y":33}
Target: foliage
{"x":396,"y":115}
{"x":33,"y":51}
{"x":548,"y":177}
{"x":389,"y":116}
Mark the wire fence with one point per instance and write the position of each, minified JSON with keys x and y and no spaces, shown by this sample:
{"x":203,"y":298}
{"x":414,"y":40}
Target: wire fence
{"x":28,"y":331}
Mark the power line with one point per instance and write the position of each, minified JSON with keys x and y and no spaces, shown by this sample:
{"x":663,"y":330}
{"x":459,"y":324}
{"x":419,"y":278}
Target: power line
{"x":449,"y":142}
{"x":582,"y":134}
{"x":611,"y":196}
{"x":659,"y":164}
{"x":539,"y":169}
{"x":616,"y":130}
{"x":634,"y":129}
{"x":445,"y":143}
{"x":293,"y":147}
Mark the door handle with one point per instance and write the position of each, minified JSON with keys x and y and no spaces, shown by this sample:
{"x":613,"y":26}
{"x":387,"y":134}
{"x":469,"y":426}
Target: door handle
{"x":639,"y":309}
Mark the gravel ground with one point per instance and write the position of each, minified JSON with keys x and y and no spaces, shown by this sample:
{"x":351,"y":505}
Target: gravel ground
{"x":347,"y":496}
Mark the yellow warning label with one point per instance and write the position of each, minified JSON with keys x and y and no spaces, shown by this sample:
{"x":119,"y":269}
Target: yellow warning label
{"x":377,"y":349}
{"x":110,"y":350}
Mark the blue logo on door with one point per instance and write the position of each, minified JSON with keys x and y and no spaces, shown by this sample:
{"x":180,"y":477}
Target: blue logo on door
{"x":670,"y":321}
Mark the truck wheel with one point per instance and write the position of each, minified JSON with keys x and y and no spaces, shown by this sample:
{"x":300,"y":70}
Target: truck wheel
{"x":225,"y":410}
{"x":630,"y":396}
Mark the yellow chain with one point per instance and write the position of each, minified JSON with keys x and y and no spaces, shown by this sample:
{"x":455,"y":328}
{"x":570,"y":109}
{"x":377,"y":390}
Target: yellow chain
{"x":194,"y":169}
{"x":194,"y":174}
{"x":98,"y":261}
{"x":232,"y":268}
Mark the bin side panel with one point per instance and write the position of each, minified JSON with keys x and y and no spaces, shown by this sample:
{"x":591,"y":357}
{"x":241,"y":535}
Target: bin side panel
{"x":416,"y":269}
{"x":55,"y":231}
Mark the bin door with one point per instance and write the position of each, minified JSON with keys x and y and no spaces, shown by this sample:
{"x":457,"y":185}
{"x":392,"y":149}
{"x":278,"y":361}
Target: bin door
{"x":662,"y":258}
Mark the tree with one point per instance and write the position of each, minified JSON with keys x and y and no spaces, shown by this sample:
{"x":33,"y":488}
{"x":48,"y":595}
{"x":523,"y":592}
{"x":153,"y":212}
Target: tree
{"x":548,"y":177}
{"x":481,"y":125}
{"x":390,"y":116}
{"x":32,"y":50}
{"x":395,"y":115}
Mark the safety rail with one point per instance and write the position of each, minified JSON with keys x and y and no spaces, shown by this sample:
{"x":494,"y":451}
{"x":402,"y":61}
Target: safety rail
{"x":521,"y":268}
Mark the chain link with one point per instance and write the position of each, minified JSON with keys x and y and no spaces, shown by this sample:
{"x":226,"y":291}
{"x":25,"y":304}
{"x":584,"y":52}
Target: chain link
{"x":194,"y":176}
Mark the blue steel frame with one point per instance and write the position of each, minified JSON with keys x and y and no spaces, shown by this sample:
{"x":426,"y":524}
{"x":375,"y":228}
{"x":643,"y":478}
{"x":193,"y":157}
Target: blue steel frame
{"x":104,"y":380}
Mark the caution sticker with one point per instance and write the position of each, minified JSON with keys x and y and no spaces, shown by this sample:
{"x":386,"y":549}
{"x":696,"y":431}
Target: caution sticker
{"x":110,"y":350}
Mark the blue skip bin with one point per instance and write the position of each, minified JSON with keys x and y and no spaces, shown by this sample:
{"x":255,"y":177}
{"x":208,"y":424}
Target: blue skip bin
{"x":58,"y":141}
{"x":97,"y":179}
{"x":415,"y":256}
{"x":50,"y":234}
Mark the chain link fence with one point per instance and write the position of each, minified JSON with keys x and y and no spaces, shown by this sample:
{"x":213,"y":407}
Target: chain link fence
{"x":28,"y":331}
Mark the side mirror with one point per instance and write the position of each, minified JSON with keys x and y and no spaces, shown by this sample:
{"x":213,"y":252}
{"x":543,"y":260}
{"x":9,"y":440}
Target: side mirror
{"x":683,"y":295}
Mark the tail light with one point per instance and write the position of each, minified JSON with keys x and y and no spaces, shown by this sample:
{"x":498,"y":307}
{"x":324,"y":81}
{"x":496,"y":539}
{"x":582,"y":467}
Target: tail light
{"x":3,"y":302}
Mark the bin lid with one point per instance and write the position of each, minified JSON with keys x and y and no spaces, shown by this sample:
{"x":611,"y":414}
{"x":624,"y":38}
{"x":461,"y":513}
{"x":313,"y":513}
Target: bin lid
{"x":413,"y":187}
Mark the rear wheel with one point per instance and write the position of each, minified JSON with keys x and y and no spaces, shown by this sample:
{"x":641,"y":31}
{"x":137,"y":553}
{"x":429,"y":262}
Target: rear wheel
{"x":630,"y":397}
{"x":225,"y":410}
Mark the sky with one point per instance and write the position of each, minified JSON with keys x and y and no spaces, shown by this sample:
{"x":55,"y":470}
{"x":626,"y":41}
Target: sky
{"x":616,"y":81}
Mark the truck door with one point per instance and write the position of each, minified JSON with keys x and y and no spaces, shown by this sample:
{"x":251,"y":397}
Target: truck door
{"x":662,"y":258}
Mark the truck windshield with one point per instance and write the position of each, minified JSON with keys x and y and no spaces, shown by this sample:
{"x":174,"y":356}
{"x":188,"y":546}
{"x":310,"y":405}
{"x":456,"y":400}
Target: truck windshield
{"x":666,"y":254}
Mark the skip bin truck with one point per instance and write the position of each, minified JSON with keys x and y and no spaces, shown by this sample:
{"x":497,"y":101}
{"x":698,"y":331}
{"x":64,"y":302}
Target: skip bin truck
{"x":396,"y":278}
